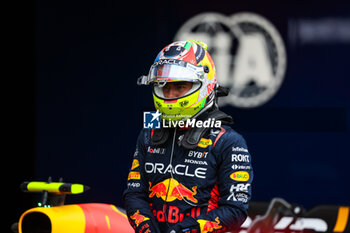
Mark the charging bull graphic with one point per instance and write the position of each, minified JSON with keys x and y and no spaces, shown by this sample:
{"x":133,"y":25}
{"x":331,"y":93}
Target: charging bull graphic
{"x":171,"y":190}
{"x":138,"y":218}
{"x":209,"y":226}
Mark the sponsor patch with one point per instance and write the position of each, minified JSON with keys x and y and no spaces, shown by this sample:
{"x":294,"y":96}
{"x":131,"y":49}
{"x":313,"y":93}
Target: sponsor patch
{"x":197,"y":154}
{"x":240,"y":158}
{"x":134,"y":185}
{"x":135,"y":164}
{"x":179,"y":169}
{"x":204,"y":143}
{"x":156,"y":150}
{"x":134,"y":176}
{"x":241,"y":149}
{"x":240,"y":167}
{"x":240,"y":176}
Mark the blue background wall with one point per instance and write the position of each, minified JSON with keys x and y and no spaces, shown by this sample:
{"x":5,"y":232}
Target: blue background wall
{"x":87,"y":110}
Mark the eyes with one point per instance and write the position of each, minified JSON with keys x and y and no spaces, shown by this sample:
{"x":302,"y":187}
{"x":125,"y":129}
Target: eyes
{"x":179,"y":86}
{"x":176,"y":89}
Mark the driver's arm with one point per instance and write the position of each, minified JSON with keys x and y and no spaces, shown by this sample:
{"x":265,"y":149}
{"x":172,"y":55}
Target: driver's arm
{"x":235,"y":176}
{"x":136,"y":195}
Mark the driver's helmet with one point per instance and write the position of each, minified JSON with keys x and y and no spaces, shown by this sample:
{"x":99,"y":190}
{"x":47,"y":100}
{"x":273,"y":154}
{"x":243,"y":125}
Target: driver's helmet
{"x":183,"y":61}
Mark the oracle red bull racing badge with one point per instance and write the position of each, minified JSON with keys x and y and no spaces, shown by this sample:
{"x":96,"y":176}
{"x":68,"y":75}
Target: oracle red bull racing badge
{"x":170,"y":190}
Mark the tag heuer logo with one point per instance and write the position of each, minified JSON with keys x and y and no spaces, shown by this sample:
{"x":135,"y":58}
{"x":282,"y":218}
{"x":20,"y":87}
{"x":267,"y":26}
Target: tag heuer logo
{"x":248,"y":52}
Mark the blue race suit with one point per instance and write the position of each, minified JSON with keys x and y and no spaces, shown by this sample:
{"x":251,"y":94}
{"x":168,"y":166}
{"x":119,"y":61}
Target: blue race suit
{"x":169,"y":184}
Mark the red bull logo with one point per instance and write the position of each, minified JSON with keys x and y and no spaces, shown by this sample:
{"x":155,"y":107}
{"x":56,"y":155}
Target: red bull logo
{"x":138,"y":218}
{"x":171,"y":190}
{"x":209,"y":226}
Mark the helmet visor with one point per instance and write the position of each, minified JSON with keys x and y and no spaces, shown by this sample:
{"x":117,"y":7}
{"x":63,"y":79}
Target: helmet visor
{"x":159,"y":91}
{"x":174,"y":70}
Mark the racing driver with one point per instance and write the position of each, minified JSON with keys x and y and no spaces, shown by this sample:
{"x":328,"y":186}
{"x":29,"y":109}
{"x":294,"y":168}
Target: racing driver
{"x":188,"y":175}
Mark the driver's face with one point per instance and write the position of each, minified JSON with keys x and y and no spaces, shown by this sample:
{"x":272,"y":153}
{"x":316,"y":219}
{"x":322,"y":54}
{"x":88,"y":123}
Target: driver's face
{"x":176,"y":89}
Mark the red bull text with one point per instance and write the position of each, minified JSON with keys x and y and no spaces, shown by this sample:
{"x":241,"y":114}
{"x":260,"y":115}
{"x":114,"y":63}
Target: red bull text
{"x":172,"y":214}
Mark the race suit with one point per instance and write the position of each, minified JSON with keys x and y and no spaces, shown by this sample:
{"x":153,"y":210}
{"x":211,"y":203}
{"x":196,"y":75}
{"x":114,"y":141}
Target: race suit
{"x":211,"y":183}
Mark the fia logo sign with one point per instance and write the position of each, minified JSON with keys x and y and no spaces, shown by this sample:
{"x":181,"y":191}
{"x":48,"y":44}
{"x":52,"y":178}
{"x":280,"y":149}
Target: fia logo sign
{"x":248,"y":52}
{"x":151,"y":120}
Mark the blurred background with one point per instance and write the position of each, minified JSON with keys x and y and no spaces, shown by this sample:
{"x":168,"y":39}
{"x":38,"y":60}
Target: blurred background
{"x":75,"y":110}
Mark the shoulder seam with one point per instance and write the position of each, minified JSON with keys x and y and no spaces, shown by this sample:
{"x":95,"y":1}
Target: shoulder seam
{"x":219,"y":135}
